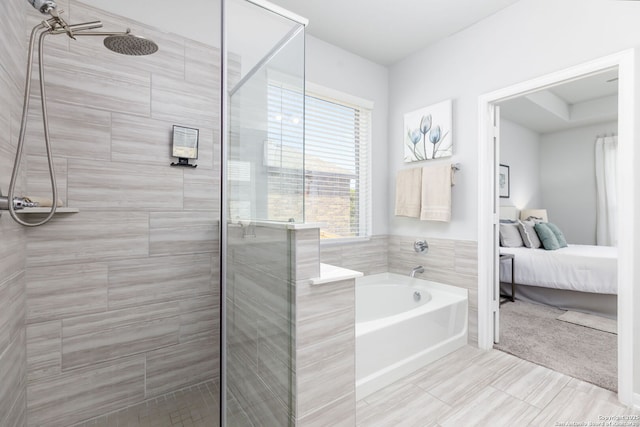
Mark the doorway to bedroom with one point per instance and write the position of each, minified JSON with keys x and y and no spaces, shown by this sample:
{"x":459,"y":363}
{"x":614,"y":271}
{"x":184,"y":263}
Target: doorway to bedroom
{"x":540,"y":91}
{"x":558,"y":286}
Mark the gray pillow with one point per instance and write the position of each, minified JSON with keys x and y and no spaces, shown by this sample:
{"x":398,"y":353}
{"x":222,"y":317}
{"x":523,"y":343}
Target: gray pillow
{"x":528,"y":234}
{"x":510,"y":236}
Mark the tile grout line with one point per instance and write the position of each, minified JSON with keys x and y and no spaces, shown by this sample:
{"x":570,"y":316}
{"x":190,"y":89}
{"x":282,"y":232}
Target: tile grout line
{"x":163,"y":400}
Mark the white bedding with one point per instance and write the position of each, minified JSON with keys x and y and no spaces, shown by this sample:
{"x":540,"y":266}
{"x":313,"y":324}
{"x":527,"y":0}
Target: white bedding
{"x":576,"y":267}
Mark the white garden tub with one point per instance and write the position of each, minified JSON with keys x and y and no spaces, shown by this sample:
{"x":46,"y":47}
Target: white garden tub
{"x":403,"y":324}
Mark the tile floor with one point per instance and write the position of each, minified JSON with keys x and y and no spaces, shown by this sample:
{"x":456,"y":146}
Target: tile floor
{"x":469,"y":387}
{"x":195,"y":406}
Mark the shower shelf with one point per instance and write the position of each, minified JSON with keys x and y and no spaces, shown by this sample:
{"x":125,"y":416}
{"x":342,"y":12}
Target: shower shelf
{"x":47,"y":210}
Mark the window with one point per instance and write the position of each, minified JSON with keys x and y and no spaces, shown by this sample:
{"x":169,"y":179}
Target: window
{"x":336,"y":161}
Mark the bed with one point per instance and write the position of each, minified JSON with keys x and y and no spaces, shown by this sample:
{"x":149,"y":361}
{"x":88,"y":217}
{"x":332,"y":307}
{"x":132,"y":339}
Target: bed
{"x":581,"y":268}
{"x":577,"y":277}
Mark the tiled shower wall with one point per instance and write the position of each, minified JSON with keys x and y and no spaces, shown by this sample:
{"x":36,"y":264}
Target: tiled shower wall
{"x":325,"y":354}
{"x":453,"y":262}
{"x":13,"y":50}
{"x":277,"y":373}
{"x":259,"y":329}
{"x":122,"y":297}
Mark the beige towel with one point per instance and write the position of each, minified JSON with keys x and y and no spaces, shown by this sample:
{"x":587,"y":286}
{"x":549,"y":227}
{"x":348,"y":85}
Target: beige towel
{"x":436,"y":192}
{"x":408,"y":182}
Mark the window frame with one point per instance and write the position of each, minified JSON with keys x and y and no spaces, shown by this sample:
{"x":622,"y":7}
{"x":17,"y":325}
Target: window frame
{"x":365,"y":178}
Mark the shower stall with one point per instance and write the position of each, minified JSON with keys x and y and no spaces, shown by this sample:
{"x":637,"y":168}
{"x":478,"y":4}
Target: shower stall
{"x":154,"y":294}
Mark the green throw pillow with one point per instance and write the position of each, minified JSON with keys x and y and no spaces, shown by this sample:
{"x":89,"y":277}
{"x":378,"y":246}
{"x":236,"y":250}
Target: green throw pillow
{"x":547,"y":237}
{"x":561,"y":240}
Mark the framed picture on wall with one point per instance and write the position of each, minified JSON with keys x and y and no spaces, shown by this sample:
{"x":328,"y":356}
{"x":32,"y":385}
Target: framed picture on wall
{"x":503,"y":182}
{"x":427,"y":132}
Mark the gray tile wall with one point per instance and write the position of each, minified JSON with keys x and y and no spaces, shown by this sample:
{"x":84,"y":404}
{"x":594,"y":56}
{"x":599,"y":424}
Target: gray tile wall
{"x":324,"y":373}
{"x":325,"y":354}
{"x":121,"y":298}
{"x":259,"y":323}
{"x":368,"y":256}
{"x":13,"y":358}
{"x":291,"y":345}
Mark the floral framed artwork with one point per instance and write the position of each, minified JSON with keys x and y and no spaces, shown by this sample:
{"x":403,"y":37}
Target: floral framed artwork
{"x":427,"y":133}
{"x":503,"y":182}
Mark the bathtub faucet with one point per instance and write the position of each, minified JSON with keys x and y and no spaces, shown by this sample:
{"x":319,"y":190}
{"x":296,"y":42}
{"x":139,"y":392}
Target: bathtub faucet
{"x":418,"y":269}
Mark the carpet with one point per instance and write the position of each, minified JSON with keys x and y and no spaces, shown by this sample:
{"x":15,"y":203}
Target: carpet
{"x":590,"y":321}
{"x":532,"y":332}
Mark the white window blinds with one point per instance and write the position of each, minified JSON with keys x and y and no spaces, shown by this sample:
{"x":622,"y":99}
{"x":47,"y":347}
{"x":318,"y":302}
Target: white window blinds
{"x":336,"y":162}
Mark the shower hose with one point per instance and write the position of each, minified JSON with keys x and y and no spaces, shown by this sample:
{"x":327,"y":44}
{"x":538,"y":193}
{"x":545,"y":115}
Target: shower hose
{"x":23,"y":129}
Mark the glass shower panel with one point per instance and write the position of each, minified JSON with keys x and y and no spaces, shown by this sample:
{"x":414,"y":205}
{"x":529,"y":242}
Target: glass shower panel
{"x":264,"y":194}
{"x":266,"y":109}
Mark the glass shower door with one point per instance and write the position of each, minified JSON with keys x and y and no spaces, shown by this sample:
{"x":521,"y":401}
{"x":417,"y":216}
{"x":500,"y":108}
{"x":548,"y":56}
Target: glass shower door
{"x":263,"y":163}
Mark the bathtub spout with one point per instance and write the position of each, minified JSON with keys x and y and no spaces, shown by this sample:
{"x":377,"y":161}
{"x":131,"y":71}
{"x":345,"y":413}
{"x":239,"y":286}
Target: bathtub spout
{"x":418,"y":269}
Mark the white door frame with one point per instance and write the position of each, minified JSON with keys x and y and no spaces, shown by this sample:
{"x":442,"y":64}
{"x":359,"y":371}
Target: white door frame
{"x":625,"y":61}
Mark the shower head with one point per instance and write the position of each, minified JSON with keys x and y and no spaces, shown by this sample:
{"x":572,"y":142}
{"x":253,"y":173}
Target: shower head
{"x":130,"y":44}
{"x":124,"y":43}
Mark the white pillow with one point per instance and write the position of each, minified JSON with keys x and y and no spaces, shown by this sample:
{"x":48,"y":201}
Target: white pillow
{"x":528,"y":234}
{"x":510,"y":236}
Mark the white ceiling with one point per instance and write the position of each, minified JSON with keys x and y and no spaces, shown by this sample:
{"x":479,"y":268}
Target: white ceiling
{"x":386,"y":31}
{"x":580,"y":102}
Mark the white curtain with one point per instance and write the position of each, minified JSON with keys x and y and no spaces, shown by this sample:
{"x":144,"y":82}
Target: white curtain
{"x":606,"y":187}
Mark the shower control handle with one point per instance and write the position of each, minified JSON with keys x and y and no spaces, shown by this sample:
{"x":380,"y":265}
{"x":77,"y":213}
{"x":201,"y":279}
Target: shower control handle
{"x":421,"y":246}
{"x":44,"y":6}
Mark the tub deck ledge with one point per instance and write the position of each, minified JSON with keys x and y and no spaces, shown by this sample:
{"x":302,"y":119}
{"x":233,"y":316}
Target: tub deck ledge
{"x":331,"y":273}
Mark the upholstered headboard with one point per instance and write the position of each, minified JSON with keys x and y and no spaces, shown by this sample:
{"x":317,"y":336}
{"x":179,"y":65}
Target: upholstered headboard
{"x":540,"y":214}
{"x":508,"y":212}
